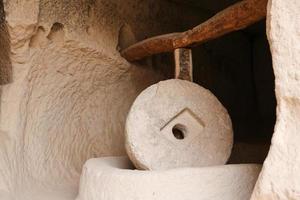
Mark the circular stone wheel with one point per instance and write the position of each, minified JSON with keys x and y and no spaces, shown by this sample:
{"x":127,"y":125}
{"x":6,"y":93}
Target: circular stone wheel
{"x":177,"y":123}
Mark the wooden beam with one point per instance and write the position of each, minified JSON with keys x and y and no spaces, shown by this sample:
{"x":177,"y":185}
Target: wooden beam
{"x":183,"y":64}
{"x":233,"y":18}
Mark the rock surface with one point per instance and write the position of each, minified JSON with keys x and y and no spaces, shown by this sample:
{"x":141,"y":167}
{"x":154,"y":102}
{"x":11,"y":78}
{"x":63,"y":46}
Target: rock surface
{"x":70,"y":90}
{"x":280,"y":177}
{"x":114,"y":179}
{"x":177,"y":123}
{"x":69,"y":83}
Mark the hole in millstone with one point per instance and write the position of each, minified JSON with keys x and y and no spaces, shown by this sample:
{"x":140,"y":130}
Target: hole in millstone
{"x":179,"y":131}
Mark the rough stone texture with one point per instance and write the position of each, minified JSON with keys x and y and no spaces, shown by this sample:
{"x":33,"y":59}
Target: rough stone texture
{"x":71,"y":90}
{"x":114,"y":179}
{"x":178,"y":104}
{"x":280,"y":177}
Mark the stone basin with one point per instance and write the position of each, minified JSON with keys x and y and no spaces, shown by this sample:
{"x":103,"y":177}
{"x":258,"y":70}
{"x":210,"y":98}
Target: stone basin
{"x":114,"y":178}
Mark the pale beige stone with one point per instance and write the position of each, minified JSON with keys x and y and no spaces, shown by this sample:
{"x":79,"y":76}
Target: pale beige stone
{"x":167,"y":107}
{"x":69,"y":84}
{"x":114,"y":179}
{"x":71,"y":90}
{"x":280,"y":177}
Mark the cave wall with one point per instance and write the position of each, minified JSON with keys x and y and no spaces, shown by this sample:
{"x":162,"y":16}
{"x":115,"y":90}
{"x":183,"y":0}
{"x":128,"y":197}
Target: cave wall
{"x":280,"y":175}
{"x":71,"y":90}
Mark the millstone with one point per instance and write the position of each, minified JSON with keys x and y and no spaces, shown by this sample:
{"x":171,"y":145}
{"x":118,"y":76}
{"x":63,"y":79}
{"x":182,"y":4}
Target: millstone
{"x":177,"y":123}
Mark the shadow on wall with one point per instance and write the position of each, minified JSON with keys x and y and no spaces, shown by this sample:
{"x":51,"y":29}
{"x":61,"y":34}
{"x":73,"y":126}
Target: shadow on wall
{"x":237,"y":68}
{"x":5,"y":63}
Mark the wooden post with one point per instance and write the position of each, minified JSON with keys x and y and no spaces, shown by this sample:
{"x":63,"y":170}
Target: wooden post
{"x":183,"y":64}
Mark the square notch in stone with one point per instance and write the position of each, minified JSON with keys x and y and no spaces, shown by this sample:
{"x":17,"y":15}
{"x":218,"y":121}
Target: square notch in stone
{"x":183,"y":126}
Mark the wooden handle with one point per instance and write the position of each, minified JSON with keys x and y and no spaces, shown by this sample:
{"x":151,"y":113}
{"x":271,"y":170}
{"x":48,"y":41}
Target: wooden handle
{"x":235,"y":17}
